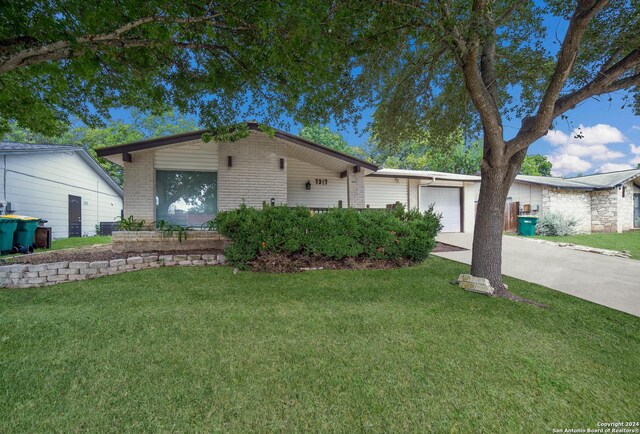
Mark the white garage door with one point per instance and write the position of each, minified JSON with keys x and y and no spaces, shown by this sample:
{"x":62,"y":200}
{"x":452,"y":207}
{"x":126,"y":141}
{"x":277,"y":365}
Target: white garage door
{"x":445,"y":200}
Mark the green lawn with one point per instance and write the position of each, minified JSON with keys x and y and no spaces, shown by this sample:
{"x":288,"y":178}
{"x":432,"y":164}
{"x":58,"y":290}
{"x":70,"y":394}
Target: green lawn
{"x":68,"y":243}
{"x":625,"y":241}
{"x":202,"y":349}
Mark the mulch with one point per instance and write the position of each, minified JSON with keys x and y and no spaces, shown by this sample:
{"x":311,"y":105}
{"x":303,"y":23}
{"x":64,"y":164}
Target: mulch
{"x":279,"y":263}
{"x":442,"y":247}
{"x":100,"y":252}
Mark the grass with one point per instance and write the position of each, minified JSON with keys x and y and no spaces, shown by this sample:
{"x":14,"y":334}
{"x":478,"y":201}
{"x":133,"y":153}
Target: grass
{"x":202,"y":349}
{"x":69,"y":243}
{"x":629,"y":241}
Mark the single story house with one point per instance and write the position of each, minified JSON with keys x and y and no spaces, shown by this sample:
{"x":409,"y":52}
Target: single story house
{"x":61,"y":184}
{"x":186,"y":181}
{"x":604,"y":202}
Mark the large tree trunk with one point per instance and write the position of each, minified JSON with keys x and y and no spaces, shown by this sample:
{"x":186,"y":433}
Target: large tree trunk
{"x":487,"y":236}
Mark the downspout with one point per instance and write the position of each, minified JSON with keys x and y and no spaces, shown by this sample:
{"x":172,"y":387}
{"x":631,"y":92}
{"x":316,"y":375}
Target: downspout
{"x":433,"y":179}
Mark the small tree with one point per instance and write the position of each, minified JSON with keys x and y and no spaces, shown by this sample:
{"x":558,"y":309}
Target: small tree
{"x":536,"y":165}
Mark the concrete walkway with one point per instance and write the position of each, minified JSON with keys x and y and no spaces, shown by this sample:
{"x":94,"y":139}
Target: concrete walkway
{"x":609,"y":281}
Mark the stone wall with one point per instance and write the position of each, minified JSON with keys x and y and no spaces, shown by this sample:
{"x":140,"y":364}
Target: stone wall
{"x":154,"y":241}
{"x":625,"y":207}
{"x":569,"y":203}
{"x":34,"y":275}
{"x":604,"y":210}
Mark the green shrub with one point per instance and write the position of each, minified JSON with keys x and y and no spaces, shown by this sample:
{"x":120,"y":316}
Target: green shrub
{"x":556,"y":225}
{"x":338,"y":233}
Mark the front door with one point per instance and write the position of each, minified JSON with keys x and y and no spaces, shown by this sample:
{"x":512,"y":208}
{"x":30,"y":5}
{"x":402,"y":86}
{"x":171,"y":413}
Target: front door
{"x":636,"y":210}
{"x":75,"y":216}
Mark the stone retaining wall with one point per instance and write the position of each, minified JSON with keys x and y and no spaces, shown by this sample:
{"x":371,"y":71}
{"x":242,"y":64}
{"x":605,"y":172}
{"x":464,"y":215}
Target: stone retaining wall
{"x":33,"y":275}
{"x":154,"y":241}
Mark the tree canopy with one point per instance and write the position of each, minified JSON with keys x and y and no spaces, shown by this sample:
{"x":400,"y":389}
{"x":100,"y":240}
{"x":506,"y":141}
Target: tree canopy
{"x":224,"y":60}
{"x":324,"y":136}
{"x":537,"y":165}
{"x":143,"y":126}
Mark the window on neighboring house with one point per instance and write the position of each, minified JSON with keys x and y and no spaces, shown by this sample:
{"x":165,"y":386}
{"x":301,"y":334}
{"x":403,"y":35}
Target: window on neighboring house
{"x":186,"y":198}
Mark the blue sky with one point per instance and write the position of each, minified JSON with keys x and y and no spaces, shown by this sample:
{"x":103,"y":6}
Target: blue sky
{"x":611,"y":132}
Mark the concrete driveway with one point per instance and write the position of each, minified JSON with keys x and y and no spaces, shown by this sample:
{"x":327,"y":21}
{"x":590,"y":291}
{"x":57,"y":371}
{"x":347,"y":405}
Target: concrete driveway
{"x":609,"y":281}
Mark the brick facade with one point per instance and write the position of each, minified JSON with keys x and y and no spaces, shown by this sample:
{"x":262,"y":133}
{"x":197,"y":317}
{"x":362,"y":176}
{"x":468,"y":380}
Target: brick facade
{"x":355,"y":189}
{"x":255,"y":175}
{"x":139,"y":187}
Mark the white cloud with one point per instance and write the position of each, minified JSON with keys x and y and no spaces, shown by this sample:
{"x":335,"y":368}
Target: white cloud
{"x":612,"y":167}
{"x":635,"y":127}
{"x":634,"y":149}
{"x":636,"y":161}
{"x":576,"y":151}
{"x":564,"y":164}
{"x":595,"y":152}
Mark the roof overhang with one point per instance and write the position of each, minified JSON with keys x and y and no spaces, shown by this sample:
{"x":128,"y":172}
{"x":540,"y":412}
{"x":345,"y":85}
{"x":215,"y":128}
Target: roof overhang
{"x":121,"y":153}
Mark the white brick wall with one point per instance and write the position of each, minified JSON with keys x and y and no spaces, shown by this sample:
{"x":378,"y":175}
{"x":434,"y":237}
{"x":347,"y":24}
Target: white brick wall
{"x":139,"y":187}
{"x":255,"y":176}
{"x":355,"y":189}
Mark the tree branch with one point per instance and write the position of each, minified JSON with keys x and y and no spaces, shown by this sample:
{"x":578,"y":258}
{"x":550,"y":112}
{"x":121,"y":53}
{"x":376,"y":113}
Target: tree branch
{"x":538,"y":125}
{"x":61,"y":49}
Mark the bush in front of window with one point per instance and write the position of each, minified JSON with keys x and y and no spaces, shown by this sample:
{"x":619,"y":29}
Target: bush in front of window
{"x":335,"y":234}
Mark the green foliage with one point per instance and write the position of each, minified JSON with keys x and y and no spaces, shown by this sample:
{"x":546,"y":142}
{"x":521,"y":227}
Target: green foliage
{"x":536,"y":165}
{"x":131,"y":224}
{"x":224,"y":61}
{"x":446,"y":154}
{"x":169,"y":229}
{"x":144,"y":125}
{"x":324,"y":136}
{"x":556,"y":225}
{"x":337,"y":233}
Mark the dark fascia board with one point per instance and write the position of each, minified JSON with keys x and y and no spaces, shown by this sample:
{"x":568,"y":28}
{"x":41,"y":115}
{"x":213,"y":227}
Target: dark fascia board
{"x":196,"y":135}
{"x":150,"y":143}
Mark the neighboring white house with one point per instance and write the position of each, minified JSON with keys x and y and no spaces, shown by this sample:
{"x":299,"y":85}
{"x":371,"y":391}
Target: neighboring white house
{"x":184,"y":180}
{"x":61,"y":184}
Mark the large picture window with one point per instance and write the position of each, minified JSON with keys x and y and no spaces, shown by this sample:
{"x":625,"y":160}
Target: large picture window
{"x":186,"y":198}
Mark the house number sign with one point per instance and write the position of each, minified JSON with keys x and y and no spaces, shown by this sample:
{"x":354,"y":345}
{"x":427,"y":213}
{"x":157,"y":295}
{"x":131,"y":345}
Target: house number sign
{"x":321,"y":181}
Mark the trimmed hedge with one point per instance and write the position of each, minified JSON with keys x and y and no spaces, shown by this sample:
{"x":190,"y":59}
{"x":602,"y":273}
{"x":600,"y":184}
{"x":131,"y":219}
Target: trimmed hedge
{"x":338,"y":233}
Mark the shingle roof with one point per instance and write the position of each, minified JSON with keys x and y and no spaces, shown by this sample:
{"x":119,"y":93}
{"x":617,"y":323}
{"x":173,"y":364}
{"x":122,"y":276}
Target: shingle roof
{"x":609,"y":179}
{"x":13,"y":147}
{"x":588,"y":182}
{"x":29,"y":148}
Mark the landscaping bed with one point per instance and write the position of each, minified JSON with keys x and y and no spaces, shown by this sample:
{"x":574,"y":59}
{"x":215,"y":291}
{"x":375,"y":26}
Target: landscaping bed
{"x":290,"y":263}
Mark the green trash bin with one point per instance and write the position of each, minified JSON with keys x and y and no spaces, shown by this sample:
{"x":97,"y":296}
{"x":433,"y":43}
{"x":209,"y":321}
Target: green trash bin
{"x":527,"y":225}
{"x":25,"y":232}
{"x":7,"y":229}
